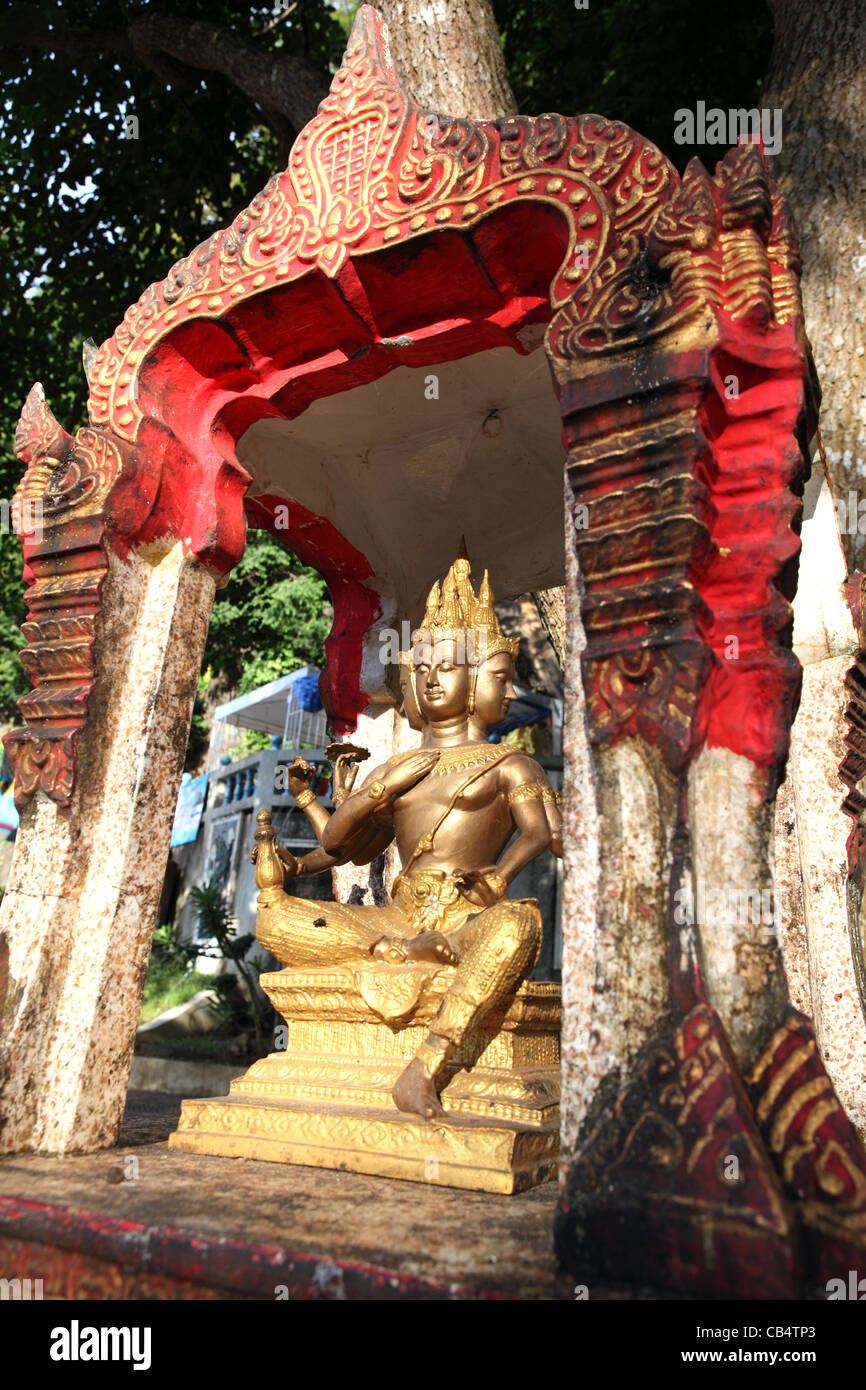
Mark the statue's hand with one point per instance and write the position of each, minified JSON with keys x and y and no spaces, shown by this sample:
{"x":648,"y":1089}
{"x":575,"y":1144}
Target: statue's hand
{"x":291,"y":865}
{"x":406,"y":774}
{"x":300,"y":775}
{"x":474,"y":885}
{"x":345,"y":772}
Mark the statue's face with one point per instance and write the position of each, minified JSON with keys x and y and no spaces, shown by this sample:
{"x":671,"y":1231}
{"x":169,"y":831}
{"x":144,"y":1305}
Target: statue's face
{"x":442,"y":680}
{"x":494,"y":690}
{"x":410,"y":704}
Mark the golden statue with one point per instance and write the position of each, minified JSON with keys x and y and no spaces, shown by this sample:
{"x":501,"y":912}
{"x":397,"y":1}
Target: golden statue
{"x":440,"y":970}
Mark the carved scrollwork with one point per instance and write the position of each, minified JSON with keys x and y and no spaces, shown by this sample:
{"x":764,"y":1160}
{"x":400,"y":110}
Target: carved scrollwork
{"x":527,"y":142}
{"x":372,"y":168}
{"x":40,"y":765}
{"x":651,"y":691}
{"x":70,"y":480}
{"x":39,"y":440}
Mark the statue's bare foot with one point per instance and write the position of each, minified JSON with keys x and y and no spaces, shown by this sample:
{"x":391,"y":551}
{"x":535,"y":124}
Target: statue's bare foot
{"x":430,"y":946}
{"x":415,"y":1093}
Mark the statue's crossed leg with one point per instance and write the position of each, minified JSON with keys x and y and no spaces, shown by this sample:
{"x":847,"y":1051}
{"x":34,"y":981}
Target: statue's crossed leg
{"x":493,"y":951}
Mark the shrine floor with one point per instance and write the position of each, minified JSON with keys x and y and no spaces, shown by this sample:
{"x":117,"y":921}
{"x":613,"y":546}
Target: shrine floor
{"x":139,"y":1221}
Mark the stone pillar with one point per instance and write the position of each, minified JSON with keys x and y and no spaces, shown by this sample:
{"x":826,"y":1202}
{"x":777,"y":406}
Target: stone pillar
{"x":699,"y":1120}
{"x":811,"y":827}
{"x":80,"y":907}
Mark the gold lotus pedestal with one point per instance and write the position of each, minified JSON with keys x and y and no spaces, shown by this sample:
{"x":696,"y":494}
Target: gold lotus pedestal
{"x":325,"y":1101}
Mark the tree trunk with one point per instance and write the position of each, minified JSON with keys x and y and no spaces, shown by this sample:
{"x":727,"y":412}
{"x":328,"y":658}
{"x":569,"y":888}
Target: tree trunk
{"x":551,"y":610}
{"x":448,"y":56}
{"x":818,"y":78}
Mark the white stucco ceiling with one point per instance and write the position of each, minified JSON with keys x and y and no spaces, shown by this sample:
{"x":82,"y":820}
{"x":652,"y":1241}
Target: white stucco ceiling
{"x":401,"y":476}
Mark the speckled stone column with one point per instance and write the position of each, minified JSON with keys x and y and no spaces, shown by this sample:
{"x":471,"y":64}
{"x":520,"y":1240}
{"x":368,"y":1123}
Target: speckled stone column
{"x":80,"y":907}
{"x":582,"y":1071}
{"x":730,"y":824}
{"x":817,"y":748}
{"x":811,"y":828}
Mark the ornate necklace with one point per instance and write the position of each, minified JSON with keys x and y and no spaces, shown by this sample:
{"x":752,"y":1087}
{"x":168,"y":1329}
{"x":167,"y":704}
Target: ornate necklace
{"x":469,"y":755}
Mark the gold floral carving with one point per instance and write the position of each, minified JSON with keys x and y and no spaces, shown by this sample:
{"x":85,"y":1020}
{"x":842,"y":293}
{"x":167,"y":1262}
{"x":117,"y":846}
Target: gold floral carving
{"x":724,"y":241}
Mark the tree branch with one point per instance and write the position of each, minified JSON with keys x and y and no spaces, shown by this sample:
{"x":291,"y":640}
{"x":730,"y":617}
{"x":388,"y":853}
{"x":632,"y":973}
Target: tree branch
{"x":286,"y":90}
{"x":180,"y":51}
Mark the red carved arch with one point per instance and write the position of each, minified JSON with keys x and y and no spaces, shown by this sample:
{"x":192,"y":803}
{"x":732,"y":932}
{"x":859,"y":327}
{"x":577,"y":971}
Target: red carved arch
{"x":654,"y":280}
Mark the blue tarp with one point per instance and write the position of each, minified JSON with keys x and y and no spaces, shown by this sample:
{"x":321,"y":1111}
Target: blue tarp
{"x":8,"y":814}
{"x":306,"y":692}
{"x":521,"y":715}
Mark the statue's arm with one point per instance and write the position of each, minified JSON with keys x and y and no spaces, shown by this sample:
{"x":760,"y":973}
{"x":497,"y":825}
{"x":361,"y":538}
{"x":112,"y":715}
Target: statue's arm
{"x":533,"y":839}
{"x":301,"y":774}
{"x":318,"y":816}
{"x":553,"y":811}
{"x":316,"y":862}
{"x":345,"y":829}
{"x":530,"y":798}
{"x":525,"y":779}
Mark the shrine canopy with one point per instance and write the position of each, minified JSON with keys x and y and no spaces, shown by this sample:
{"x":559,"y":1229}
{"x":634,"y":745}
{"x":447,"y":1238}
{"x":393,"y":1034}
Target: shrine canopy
{"x":374,"y":359}
{"x":359,"y":363}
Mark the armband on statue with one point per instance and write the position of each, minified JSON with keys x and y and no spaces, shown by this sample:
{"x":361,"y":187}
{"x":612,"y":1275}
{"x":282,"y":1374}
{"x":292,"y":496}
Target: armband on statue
{"x":531,"y":791}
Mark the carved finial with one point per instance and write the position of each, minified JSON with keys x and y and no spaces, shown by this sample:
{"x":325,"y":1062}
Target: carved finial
{"x":484,"y":619}
{"x":448,"y":616}
{"x":465,"y":592}
{"x":38,"y":436}
{"x":432,"y":606}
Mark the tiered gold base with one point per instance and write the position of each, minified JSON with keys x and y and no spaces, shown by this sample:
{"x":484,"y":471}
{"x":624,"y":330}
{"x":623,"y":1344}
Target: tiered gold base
{"x":326,"y":1100}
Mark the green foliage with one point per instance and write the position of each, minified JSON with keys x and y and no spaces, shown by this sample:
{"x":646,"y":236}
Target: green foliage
{"x":165,"y":941}
{"x":13,"y":681}
{"x":169,"y":980}
{"x":199,"y":729}
{"x":168,"y":984}
{"x":215,"y":922}
{"x":212,"y":913}
{"x":272,"y":616}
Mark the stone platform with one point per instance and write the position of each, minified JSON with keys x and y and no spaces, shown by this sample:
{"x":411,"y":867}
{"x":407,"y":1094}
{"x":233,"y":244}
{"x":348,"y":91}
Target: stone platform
{"x":202,"y":1228}
{"x":325,"y":1101}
